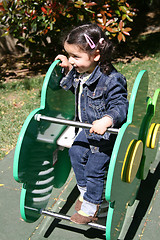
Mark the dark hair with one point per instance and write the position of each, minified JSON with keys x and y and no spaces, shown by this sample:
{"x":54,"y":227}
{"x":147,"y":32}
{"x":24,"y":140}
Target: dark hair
{"x":95,"y":33}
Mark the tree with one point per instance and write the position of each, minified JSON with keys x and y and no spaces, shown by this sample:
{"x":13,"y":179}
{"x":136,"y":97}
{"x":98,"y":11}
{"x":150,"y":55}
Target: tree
{"x":38,"y":25}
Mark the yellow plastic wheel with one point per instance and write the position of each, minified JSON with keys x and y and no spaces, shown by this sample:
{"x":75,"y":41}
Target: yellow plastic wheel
{"x":126,"y":160}
{"x":156,"y":133}
{"x":134,"y":162}
{"x":149,"y":136}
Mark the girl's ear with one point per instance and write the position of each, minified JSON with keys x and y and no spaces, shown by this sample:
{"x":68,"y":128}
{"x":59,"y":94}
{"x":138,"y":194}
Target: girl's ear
{"x":97,"y":56}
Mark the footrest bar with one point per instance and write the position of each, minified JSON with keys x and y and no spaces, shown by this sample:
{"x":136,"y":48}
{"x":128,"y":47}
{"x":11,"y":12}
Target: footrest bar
{"x":65,"y":217}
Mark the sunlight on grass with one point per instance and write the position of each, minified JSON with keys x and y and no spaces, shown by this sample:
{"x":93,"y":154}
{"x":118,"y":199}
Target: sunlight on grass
{"x":16,"y":104}
{"x":131,"y":70}
{"x":19,"y":98}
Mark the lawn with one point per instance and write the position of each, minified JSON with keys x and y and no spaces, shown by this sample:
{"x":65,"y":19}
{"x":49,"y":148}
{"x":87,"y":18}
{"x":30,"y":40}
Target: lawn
{"x":151,"y":64}
{"x":19,"y":97}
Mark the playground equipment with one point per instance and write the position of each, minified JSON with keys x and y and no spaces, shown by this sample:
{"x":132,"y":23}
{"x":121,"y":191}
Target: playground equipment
{"x":41,"y":161}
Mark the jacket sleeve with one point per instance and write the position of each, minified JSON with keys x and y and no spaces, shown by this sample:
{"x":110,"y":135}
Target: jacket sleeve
{"x":116,"y":100}
{"x":67,"y":81}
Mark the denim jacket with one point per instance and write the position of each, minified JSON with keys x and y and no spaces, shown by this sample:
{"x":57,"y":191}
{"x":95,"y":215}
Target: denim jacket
{"x":103,"y":95}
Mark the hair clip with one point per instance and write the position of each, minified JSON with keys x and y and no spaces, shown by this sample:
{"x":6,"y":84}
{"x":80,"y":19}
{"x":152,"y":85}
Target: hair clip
{"x":101,"y":40}
{"x":89,"y":40}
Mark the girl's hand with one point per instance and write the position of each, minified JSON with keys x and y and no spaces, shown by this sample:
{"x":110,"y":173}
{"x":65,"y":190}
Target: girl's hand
{"x":100,"y":126}
{"x":64,"y":63}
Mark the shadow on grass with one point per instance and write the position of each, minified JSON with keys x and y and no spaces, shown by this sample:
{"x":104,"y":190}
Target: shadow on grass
{"x":145,"y":46}
{"x":149,"y":44}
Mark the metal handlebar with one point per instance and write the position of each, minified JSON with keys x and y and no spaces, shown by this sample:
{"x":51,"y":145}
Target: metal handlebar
{"x":77,"y":124}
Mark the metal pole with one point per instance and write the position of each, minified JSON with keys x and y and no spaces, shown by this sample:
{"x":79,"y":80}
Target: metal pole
{"x":65,"y":217}
{"x":39,"y":117}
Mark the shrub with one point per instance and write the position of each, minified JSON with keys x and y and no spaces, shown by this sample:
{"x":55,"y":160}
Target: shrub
{"x":38,"y":25}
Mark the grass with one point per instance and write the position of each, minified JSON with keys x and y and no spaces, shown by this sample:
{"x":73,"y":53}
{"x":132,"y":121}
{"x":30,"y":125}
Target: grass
{"x":19,"y":98}
{"x":151,"y":64}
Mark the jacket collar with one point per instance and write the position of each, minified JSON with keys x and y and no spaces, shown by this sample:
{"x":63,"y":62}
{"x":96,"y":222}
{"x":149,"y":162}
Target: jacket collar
{"x":94,"y":76}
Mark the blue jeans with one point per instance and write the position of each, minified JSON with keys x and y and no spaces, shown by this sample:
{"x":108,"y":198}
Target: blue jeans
{"x":89,"y":167}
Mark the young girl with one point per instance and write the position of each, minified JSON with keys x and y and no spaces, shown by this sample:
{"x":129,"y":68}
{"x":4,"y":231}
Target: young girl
{"x":101,"y":99}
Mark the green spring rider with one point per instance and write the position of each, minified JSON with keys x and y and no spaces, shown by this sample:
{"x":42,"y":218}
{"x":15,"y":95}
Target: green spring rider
{"x":41,"y":161}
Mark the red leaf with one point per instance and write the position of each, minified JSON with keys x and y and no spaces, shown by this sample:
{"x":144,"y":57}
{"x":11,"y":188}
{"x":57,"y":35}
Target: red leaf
{"x":45,"y":31}
{"x":112,"y":30}
{"x":109,"y":22}
{"x":44,"y":10}
{"x":127,"y":5}
{"x":126,"y":33}
{"x":127,"y":29}
{"x":90,"y":4}
{"x":104,"y":18}
{"x":120,"y":37}
{"x":121,"y":24}
{"x":109,"y":14}
{"x":1,"y":7}
{"x":33,"y":12}
{"x":101,"y":26}
{"x":123,"y":38}
{"x":27,"y":14}
{"x":106,"y":6}
{"x":34,"y":17}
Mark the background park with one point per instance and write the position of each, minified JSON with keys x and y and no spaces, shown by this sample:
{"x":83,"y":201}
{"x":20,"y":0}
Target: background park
{"x":31,"y":33}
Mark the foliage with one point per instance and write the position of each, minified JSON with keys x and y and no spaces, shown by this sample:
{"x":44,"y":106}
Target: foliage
{"x":38,"y":24}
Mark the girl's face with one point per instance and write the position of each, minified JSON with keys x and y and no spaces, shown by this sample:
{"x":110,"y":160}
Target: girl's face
{"x":82,"y":61}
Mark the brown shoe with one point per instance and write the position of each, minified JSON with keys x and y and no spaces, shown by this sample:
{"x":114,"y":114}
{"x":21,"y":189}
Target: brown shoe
{"x":78,"y":205}
{"x":79,"y":219}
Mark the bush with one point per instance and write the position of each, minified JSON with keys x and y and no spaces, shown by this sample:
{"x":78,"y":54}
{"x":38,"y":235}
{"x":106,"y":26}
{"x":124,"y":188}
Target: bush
{"x":38,"y":25}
